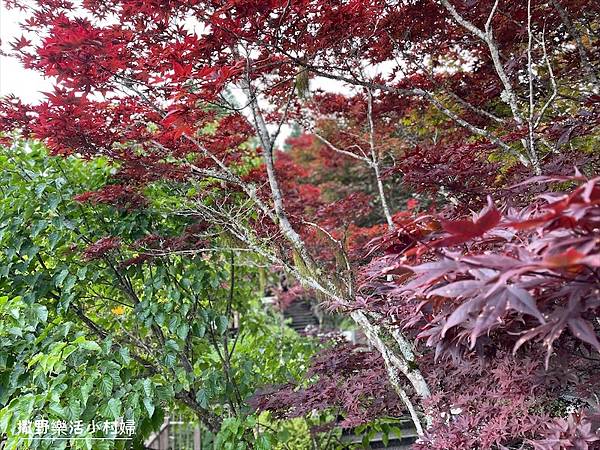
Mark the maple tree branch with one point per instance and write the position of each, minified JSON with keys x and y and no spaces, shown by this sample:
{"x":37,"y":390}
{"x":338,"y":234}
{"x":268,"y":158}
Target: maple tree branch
{"x":469,"y":106}
{"x":397,"y":361}
{"x":418,"y":93}
{"x":396,"y":383}
{"x":341,"y":151}
{"x":552,"y":81}
{"x":509,"y":94}
{"x":283,"y":222}
{"x":488,"y":22}
{"x":488,"y":37}
{"x":264,"y":248}
{"x":284,"y":113}
{"x":476,"y":130}
{"x":530,"y":119}
{"x":576,"y":35}
{"x":375,"y":162}
{"x":447,"y":89}
{"x":464,"y":22}
{"x":340,"y":254}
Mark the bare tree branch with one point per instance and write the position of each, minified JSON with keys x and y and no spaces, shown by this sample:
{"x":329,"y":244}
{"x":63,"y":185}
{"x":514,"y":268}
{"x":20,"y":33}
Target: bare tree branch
{"x":375,"y":160}
{"x":583,"y":55}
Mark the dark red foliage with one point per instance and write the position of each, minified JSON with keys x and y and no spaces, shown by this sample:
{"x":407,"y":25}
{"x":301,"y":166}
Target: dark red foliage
{"x":507,"y":401}
{"x":490,"y":405}
{"x":120,"y":196}
{"x":531,"y":275}
{"x":191,"y":238}
{"x":285,"y":297}
{"x":14,"y":115}
{"x":576,"y":431}
{"x":101,"y":247}
{"x":136,"y":260}
{"x":460,"y":170}
{"x":349,"y":380}
{"x":336,"y":215}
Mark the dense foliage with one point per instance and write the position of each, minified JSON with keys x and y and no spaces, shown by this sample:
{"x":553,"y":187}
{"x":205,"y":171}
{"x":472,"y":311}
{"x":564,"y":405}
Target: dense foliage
{"x":427,"y":191}
{"x":100,"y":328}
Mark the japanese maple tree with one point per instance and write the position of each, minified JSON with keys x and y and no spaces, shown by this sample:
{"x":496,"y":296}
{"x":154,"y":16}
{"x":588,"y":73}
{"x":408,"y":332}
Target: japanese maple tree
{"x":452,"y":100}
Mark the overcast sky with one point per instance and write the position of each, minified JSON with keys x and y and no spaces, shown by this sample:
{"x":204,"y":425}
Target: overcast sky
{"x":14,"y":79}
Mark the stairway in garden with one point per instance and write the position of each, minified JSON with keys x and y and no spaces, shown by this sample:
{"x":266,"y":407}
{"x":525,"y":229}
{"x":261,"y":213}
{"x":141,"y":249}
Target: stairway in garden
{"x":302,"y":315}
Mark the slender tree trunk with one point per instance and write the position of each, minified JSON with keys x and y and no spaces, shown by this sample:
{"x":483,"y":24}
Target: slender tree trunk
{"x":399,"y":357}
{"x":397,"y":362}
{"x":382,"y":198}
{"x":375,"y":158}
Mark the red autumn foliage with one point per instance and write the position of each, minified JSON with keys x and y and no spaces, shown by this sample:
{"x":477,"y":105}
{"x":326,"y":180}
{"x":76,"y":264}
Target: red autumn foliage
{"x":120,"y":196}
{"x":101,"y":247}
{"x":532,"y":273}
{"x":351,"y":382}
{"x":478,"y":294}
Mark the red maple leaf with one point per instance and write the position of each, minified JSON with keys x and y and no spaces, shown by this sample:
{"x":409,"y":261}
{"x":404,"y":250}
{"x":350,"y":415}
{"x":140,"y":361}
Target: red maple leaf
{"x":465,"y":230}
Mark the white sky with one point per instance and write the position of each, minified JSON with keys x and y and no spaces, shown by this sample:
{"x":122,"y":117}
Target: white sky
{"x":14,"y":79}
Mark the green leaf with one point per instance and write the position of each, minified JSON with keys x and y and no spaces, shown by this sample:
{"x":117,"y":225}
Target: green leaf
{"x":263,"y":442}
{"x":107,"y":345}
{"x":37,"y":227}
{"x":24,"y":406}
{"x":124,"y":355}
{"x":149,"y":406}
{"x":183,"y":330}
{"x":199,"y":330}
{"x":58,"y":279}
{"x":58,"y":410}
{"x":170,"y":360}
{"x":283,"y":436}
{"x":87,"y":386}
{"x":147,"y":385}
{"x":397,"y":431}
{"x":221,"y":323}
{"x":81,"y":272}
{"x":41,"y":312}
{"x":53,"y":202}
{"x":171,"y":345}
{"x":202,"y":398}
{"x":69,"y":283}
{"x":173,"y":322}
{"x":90,"y":345}
{"x":5,"y":416}
{"x":15,"y":331}
{"x":114,"y":407}
{"x":39,"y":189}
{"x":15,"y":312}
{"x":106,"y":385}
{"x":365,"y":441}
{"x":53,"y":239}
